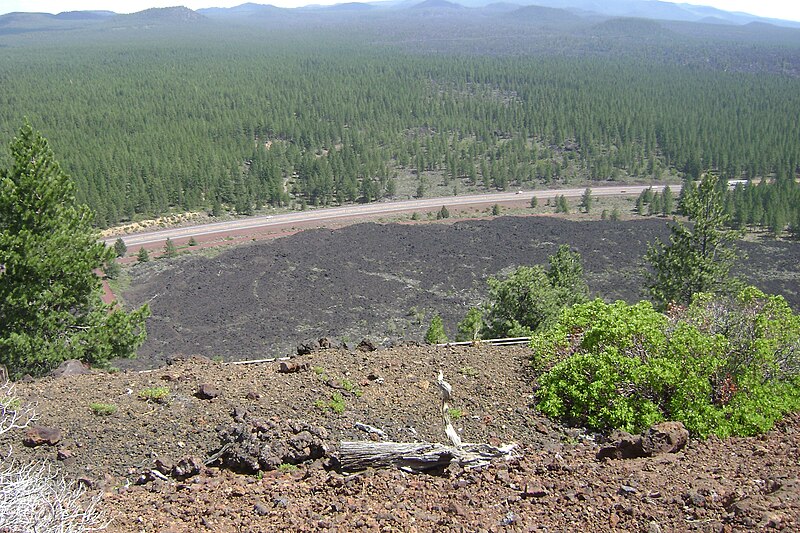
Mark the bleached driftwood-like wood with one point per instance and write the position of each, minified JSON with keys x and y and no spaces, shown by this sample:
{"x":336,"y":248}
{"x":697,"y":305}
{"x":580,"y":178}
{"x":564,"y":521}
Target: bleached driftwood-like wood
{"x":415,"y":456}
{"x":353,"y":456}
{"x":447,"y":391}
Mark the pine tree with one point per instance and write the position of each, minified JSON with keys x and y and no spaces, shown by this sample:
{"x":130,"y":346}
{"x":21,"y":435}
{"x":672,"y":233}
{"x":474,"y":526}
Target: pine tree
{"x":469,"y":329}
{"x":435,"y":333}
{"x":699,"y":257}
{"x":50,"y":297}
{"x":170,"y":250}
{"x":562,"y":206}
{"x":120,"y":248}
{"x":143,"y":256}
{"x":667,"y":201}
{"x":586,"y":200}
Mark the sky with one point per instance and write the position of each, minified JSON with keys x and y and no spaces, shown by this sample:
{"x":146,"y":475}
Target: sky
{"x":783,"y":9}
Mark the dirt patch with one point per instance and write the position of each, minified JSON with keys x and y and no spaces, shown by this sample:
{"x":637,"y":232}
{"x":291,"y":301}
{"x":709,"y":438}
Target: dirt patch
{"x":558,"y":483}
{"x":386,"y":281}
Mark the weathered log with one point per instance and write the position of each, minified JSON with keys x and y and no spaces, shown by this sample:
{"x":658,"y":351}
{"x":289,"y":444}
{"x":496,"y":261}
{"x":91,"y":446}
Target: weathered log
{"x":353,"y":456}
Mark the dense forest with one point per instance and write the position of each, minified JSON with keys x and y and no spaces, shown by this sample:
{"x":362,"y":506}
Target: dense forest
{"x":190,"y":113}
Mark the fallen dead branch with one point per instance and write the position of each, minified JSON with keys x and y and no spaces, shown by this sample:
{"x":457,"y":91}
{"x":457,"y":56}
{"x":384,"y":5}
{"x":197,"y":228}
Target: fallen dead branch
{"x":353,"y":456}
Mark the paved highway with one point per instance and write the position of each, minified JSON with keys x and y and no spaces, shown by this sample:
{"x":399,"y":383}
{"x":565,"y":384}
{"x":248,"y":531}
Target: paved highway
{"x":372,"y":210}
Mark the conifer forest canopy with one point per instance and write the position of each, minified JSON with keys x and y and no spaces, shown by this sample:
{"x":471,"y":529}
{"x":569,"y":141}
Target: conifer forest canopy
{"x":172,"y":110}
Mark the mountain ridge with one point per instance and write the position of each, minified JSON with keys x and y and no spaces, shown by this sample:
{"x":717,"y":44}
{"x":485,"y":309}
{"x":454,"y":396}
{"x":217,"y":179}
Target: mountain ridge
{"x":654,"y":10}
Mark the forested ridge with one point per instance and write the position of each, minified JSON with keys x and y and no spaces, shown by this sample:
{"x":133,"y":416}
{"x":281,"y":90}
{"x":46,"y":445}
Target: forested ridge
{"x":196,"y":116}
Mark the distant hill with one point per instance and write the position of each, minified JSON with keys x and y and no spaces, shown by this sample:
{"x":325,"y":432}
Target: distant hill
{"x":630,"y":28}
{"x":246,"y":12}
{"x":242,"y":11}
{"x":544,"y":14}
{"x":352,"y":6}
{"x":168,"y":15}
{"x":437,"y":4}
{"x":85,"y":15}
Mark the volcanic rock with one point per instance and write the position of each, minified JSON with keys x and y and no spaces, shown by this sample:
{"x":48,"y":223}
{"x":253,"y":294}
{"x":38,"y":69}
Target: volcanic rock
{"x":38,"y":435}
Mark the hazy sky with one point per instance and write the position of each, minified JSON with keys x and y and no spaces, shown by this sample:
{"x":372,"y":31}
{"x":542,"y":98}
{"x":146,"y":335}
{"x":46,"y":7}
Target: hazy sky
{"x":783,"y":9}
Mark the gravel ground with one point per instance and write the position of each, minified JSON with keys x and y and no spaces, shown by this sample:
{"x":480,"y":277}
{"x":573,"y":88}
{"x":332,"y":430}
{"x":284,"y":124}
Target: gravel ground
{"x":556,"y":484}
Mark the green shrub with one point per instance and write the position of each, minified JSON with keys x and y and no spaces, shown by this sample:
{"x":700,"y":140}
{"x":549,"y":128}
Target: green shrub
{"x":468,"y":371}
{"x":154,"y":394}
{"x":103,"y":409}
{"x":724,"y":366}
{"x":337,"y":404}
{"x":455,"y":413}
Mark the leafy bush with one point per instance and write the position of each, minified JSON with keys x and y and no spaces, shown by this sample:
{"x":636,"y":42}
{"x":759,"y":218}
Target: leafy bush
{"x":724,"y":366}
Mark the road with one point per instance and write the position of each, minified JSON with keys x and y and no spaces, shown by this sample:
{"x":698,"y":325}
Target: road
{"x":321,"y":215}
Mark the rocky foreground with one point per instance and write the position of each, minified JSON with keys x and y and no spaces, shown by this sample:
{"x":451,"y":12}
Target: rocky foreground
{"x":206,"y":446}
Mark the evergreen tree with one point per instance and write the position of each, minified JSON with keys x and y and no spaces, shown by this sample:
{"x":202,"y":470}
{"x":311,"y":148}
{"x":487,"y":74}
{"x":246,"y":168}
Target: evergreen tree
{"x":562,"y":206}
{"x":699,"y":257}
{"x":655,"y":205}
{"x":667,"y":201}
{"x":435,"y":333}
{"x":469,"y":329}
{"x":120,"y":248}
{"x":170,"y":250}
{"x":586,"y":200}
{"x":496,"y":210}
{"x":531,"y":297}
{"x":534,"y":202}
{"x":51,"y":305}
{"x":216,"y":208}
{"x":443,"y":213}
{"x":143,"y":256}
{"x":566,"y":276}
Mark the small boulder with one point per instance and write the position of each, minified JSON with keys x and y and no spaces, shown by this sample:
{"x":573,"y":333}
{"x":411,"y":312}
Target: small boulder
{"x":622,"y":445}
{"x":289,"y":367}
{"x":366,"y":345}
{"x":165,"y":465}
{"x":666,"y":437}
{"x":38,"y":435}
{"x":187,"y":467}
{"x":307,"y":348}
{"x":70,"y":367}
{"x":534,"y":489}
{"x":66,"y":457}
{"x":207,"y":391}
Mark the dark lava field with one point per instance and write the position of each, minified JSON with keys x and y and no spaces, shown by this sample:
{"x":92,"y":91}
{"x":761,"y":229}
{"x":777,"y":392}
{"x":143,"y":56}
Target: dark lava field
{"x":386,"y":281}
